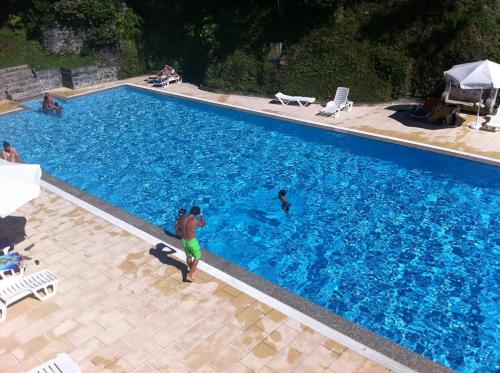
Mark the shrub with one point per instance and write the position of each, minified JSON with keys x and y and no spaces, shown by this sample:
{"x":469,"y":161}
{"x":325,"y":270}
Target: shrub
{"x":394,"y":67}
{"x":238,"y":72}
{"x":129,"y":61}
{"x":321,"y":63}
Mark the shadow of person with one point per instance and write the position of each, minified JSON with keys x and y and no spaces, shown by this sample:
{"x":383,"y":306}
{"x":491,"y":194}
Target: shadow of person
{"x":162,"y":252}
{"x":12,"y":230}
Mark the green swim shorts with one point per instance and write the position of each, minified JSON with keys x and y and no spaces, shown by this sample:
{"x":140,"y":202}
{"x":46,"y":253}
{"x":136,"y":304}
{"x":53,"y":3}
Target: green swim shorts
{"x":192,"y":248}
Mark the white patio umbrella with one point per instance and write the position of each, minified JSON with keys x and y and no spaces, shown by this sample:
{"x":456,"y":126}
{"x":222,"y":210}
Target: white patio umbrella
{"x":19,"y":184}
{"x":475,"y":75}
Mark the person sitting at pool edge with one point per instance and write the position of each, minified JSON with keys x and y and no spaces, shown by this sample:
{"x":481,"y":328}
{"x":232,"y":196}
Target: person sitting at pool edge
{"x":10,"y":154}
{"x":285,"y":205}
{"x":189,"y":241}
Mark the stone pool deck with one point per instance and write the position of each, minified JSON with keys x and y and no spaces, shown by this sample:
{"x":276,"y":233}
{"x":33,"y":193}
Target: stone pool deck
{"x":122,"y":307}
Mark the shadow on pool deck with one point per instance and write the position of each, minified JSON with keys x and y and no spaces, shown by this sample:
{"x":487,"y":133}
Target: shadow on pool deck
{"x":404,"y":117}
{"x":160,"y":252}
{"x":15,"y":226}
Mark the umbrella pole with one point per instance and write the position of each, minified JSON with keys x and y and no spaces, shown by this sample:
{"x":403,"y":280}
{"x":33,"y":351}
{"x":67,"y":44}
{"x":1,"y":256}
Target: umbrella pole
{"x":478,"y":109}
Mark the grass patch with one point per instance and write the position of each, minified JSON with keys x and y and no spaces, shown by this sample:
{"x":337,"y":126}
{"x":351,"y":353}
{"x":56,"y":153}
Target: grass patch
{"x":16,"y":50}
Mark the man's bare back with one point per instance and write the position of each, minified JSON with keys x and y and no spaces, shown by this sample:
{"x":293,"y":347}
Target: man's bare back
{"x":190,"y":226}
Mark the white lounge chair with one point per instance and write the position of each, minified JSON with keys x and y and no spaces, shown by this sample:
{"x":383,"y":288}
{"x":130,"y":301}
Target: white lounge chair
{"x":285,"y":99}
{"x":12,"y":273}
{"x":62,"y":363}
{"x":494,"y":122}
{"x":340,"y":102}
{"x":166,"y":82}
{"x":37,"y":284}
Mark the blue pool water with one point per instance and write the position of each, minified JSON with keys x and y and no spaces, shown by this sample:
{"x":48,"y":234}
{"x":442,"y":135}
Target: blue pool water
{"x":401,"y":241}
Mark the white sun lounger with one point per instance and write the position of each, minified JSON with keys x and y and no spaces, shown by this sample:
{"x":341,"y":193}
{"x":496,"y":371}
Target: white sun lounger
{"x":166,"y":82}
{"x":285,"y":99}
{"x":340,"y":102}
{"x":12,"y":273}
{"x":62,"y":363}
{"x":37,"y":284}
{"x":494,"y":122}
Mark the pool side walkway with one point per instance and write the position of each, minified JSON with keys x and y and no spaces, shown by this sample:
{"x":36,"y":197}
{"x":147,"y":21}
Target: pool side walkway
{"x":122,"y":307}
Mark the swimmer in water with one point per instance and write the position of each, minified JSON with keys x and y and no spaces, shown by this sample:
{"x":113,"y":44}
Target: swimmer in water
{"x":285,"y":204}
{"x":58,"y":108}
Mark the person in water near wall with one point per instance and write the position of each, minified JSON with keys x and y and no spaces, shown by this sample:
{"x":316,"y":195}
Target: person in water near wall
{"x":49,"y":105}
{"x":58,"y":108}
{"x":10,"y":153}
{"x":285,"y":204}
{"x":189,"y":242}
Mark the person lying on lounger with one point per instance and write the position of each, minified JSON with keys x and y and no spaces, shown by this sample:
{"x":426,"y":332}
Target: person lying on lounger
{"x":167,"y":72}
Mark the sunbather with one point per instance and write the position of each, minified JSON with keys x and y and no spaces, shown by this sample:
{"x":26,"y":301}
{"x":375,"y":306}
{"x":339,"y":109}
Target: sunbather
{"x":167,"y":72}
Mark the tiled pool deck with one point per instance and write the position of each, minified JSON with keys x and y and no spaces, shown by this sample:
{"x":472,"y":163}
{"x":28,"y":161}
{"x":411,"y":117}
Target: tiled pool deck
{"x":122,"y":305}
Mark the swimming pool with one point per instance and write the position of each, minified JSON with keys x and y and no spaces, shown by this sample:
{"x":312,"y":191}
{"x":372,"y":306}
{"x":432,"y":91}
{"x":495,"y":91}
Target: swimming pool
{"x":401,"y":241}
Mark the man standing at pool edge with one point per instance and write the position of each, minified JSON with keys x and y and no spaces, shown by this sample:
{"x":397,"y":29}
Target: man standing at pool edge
{"x":189,"y":241}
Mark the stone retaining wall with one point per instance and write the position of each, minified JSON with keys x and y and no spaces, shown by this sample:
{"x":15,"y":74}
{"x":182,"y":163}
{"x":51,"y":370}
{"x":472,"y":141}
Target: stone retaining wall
{"x":88,"y":75}
{"x":50,"y":78}
{"x":61,"y":39}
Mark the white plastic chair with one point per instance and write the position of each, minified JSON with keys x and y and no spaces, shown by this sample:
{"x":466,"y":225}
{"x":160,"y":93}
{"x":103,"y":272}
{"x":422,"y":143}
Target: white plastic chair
{"x":494,"y":122}
{"x":62,"y":363}
{"x":42,"y":285}
{"x":340,"y":102}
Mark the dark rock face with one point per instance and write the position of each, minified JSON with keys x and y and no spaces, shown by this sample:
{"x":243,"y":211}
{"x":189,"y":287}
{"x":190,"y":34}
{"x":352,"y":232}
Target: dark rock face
{"x":61,"y":39}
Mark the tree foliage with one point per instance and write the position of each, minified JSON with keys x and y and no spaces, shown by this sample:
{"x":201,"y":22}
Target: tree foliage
{"x":382,"y":49}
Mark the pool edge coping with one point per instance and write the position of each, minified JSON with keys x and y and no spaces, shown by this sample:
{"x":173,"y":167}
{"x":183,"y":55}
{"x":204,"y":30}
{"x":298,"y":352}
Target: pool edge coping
{"x":393,"y":356}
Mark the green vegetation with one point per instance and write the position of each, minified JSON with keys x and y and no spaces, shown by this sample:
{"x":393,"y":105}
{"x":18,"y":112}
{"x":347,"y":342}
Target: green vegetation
{"x":16,"y":50}
{"x":382,"y":50}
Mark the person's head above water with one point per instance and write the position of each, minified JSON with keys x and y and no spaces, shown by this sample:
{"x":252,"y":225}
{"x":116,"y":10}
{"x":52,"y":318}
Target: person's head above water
{"x":282,"y":193}
{"x":6,"y":145}
{"x":56,"y":104}
{"x":182,"y":212}
{"x":195,"y":210}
